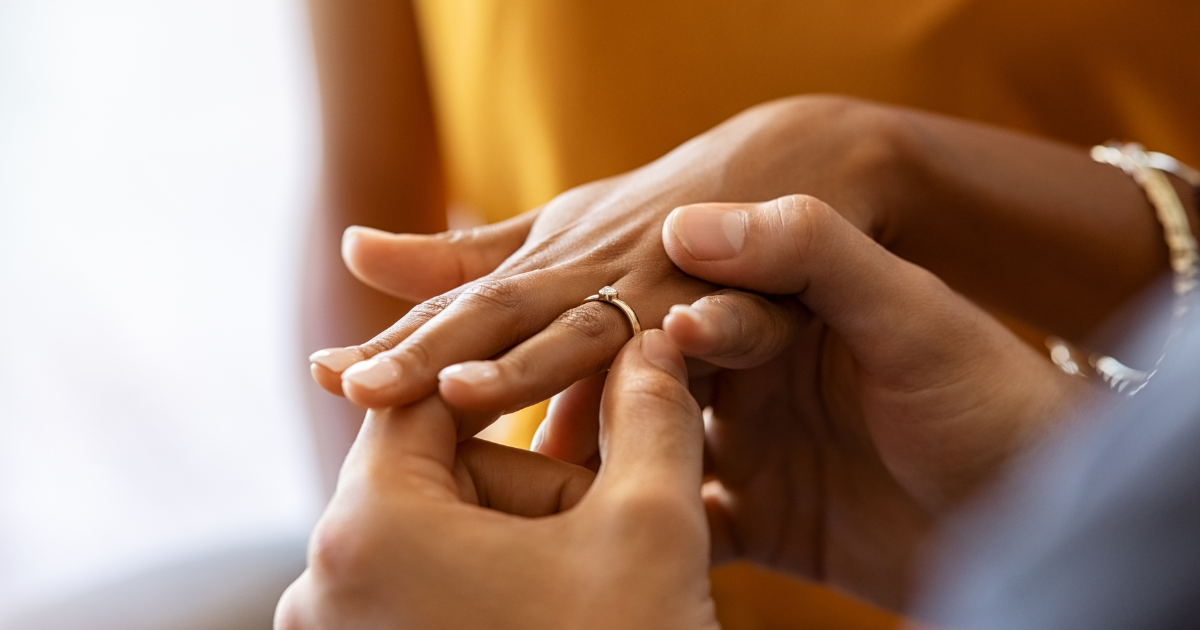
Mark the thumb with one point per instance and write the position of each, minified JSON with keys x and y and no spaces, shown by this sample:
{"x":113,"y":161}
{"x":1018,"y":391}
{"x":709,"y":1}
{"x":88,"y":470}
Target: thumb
{"x":651,"y":431}
{"x":799,"y":245}
{"x":416,"y":267}
{"x":406,"y":450}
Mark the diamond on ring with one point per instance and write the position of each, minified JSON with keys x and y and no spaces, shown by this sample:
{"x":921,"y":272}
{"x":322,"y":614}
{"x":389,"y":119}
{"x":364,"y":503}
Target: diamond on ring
{"x":608,"y":295}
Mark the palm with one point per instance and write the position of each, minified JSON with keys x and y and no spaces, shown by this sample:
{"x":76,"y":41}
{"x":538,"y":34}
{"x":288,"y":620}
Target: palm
{"x":835,"y":468}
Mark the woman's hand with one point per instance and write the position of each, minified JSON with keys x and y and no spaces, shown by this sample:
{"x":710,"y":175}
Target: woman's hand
{"x":426,"y":533}
{"x":869,"y":399}
{"x":1030,"y":227}
{"x":516,"y":288}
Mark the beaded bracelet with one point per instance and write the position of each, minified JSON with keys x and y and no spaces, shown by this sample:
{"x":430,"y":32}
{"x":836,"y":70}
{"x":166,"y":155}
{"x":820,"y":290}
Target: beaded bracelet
{"x":1149,"y":170}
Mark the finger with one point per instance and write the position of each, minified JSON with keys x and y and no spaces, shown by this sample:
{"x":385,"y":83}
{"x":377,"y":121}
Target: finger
{"x":416,"y":267}
{"x":651,"y":432}
{"x":330,"y":365}
{"x":799,"y":245}
{"x":327,"y":366}
{"x":722,"y":535}
{"x":571,"y":429}
{"x":579,"y":343}
{"x":408,"y":450}
{"x":517,"y":481}
{"x":734,"y":329}
{"x":387,"y":262}
{"x":483,"y":319}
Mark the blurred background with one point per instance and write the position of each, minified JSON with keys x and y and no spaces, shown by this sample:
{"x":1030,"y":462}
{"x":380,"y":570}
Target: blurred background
{"x":157,"y":164}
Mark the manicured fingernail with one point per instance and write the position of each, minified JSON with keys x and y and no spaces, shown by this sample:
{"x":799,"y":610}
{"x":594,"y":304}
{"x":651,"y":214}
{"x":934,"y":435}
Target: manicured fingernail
{"x":373,"y":373}
{"x":708,"y":232}
{"x":352,"y":234}
{"x":471,"y":373}
{"x":336,"y":359}
{"x":659,"y":350}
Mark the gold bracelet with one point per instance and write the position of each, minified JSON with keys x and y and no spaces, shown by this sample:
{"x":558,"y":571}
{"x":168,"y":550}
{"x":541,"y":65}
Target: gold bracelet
{"x":1149,"y":170}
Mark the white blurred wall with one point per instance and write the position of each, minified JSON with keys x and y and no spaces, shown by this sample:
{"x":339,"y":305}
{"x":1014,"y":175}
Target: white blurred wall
{"x":157,"y":158}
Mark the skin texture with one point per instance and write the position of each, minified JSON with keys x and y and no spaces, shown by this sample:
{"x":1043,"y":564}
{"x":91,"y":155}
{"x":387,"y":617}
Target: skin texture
{"x":863,"y":400}
{"x":859,"y":404}
{"x":425,"y":532}
{"x":1031,"y":228}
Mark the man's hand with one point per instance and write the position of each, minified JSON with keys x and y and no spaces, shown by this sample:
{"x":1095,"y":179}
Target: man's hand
{"x":866,"y":398}
{"x":502,"y":305}
{"x":1029,"y":227}
{"x":424,"y":532}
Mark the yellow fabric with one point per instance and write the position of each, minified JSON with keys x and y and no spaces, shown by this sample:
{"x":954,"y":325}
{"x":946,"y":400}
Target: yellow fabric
{"x":535,"y":96}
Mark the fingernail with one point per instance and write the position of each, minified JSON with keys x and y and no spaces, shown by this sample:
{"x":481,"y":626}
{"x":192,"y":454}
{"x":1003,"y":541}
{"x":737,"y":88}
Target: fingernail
{"x":336,"y":359}
{"x":353,"y":234}
{"x":702,"y":323}
{"x":708,"y":232}
{"x":348,"y":237}
{"x":684,"y":310}
{"x":373,"y":373}
{"x":471,"y":373}
{"x":659,"y":350}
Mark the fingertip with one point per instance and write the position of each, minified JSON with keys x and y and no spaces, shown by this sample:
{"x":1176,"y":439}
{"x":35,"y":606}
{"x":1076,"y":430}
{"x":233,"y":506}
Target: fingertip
{"x":353,"y":238}
{"x":329,"y":380}
{"x":658,"y":350}
{"x":336,"y":359}
{"x":372,"y":383}
{"x":690,"y":330}
{"x":469,"y":385}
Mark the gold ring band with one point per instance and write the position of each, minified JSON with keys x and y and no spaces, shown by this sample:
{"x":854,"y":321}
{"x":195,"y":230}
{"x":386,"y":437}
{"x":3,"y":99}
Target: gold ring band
{"x":608,"y":295}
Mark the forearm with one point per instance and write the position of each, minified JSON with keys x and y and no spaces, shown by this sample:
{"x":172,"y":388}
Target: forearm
{"x":1031,"y":227}
{"x":337,"y":310}
{"x":381,"y":168}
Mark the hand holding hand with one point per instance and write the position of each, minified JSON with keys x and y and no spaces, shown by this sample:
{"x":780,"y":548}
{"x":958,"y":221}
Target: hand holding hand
{"x":502,"y":303}
{"x":857,"y":416}
{"x":427,"y":533}
{"x":1027,"y":226}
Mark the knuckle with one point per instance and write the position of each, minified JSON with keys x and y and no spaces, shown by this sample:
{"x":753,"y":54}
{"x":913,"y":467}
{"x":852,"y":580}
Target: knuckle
{"x":491,"y":294}
{"x":401,"y":331}
{"x":662,"y":392}
{"x":744,"y":318}
{"x":430,"y":308}
{"x":589,"y":320}
{"x":339,"y":551}
{"x":803,"y":218}
{"x":414,"y":351}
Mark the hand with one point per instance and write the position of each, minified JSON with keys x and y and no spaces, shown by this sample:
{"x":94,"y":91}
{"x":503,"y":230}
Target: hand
{"x":425,"y":533}
{"x":858,"y":415}
{"x":1029,"y":227}
{"x":516,"y":287}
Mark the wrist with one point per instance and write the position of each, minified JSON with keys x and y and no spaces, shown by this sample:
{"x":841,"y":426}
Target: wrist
{"x":854,"y":155}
